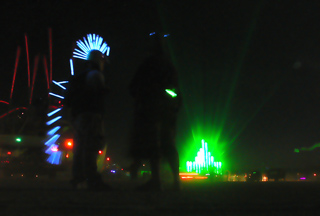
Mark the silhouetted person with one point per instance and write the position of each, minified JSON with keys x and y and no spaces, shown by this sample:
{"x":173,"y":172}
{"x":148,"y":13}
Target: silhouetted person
{"x":85,"y":100}
{"x":155,"y":115}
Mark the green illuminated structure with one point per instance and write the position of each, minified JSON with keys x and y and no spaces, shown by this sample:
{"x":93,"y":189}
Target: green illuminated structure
{"x":204,"y":162}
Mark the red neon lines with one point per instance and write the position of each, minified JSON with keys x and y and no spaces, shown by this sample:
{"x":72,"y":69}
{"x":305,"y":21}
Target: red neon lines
{"x":50,"y":49}
{"x":5,"y":102}
{"x":46,"y":70}
{"x":15,"y":71}
{"x":35,"y":68}
{"x":28,"y":61}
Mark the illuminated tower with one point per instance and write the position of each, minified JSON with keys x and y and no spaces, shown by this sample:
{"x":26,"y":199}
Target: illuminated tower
{"x":204,"y":162}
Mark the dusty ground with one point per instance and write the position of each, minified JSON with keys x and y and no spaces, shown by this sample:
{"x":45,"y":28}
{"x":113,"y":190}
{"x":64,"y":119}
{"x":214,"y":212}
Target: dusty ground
{"x":44,"y":196}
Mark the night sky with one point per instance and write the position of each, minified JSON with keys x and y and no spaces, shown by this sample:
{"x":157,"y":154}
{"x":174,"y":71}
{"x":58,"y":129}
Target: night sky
{"x":252,"y":64}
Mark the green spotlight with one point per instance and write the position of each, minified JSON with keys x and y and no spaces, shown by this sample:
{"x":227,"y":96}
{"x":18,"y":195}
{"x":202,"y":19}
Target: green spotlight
{"x":18,"y":139}
{"x":171,"y":92}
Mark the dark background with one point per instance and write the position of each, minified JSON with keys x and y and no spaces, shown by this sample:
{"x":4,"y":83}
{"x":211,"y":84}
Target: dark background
{"x":265,"y":52}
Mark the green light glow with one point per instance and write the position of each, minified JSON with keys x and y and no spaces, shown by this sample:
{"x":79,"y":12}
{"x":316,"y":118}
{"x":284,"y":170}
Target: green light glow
{"x":307,"y":149}
{"x":204,"y":162}
{"x":18,"y":139}
{"x":171,"y":92}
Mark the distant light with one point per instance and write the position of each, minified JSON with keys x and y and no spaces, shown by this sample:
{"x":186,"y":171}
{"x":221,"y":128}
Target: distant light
{"x":67,"y":155}
{"x":296,"y":150}
{"x":9,"y":153}
{"x":108,"y":158}
{"x":113,"y":171}
{"x":303,"y":178}
{"x":18,"y":139}
{"x":152,"y":33}
{"x":52,"y":140}
{"x":166,"y":35}
{"x":314,"y":174}
{"x":100,"y":152}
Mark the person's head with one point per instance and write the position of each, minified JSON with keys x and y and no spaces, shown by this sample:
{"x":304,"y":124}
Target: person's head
{"x":96,"y":60}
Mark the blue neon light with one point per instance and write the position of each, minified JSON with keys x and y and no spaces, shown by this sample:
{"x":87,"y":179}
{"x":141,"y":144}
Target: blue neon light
{"x":71,"y":67}
{"x":53,"y":112}
{"x":54,"y":120}
{"x":92,"y":42}
{"x":53,"y":131}
{"x":58,"y":96}
{"x":63,"y":82}
{"x":52,"y":140}
{"x":58,"y":84}
{"x":54,"y":158}
{"x":152,"y":33}
{"x":166,"y":35}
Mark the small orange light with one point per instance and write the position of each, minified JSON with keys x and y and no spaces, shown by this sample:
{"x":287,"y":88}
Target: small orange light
{"x":108,"y":158}
{"x":67,"y":155}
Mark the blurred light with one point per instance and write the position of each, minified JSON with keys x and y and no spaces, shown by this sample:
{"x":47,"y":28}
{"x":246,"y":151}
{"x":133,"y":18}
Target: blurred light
{"x":314,"y":174}
{"x":113,"y":171}
{"x":53,"y":131}
{"x":54,"y":149}
{"x":186,"y":177}
{"x":152,"y":33}
{"x":18,"y":139}
{"x":54,"y":120}
{"x":69,"y":143}
{"x":188,"y":174}
{"x":166,"y":35}
{"x":200,"y":177}
{"x":171,"y":92}
{"x":67,"y":155}
{"x":108,"y":159}
{"x":9,"y":153}
{"x":100,"y":152}
{"x":303,"y":178}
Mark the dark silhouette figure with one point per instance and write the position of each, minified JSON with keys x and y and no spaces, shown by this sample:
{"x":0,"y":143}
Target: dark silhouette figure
{"x":85,"y":100}
{"x":155,"y":115}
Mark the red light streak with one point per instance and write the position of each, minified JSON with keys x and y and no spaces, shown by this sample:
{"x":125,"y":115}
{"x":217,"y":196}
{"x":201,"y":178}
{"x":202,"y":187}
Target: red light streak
{"x":46,"y":71}
{"x":5,"y":102}
{"x":50,"y":48}
{"x":15,"y":71}
{"x":7,"y":113}
{"x":36,"y":60}
{"x":28,"y":62}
